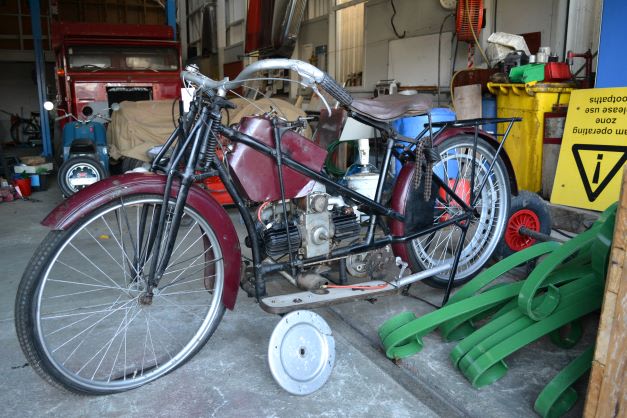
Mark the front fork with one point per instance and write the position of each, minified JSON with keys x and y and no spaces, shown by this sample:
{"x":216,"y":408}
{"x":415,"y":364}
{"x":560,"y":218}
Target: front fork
{"x":201,"y":141}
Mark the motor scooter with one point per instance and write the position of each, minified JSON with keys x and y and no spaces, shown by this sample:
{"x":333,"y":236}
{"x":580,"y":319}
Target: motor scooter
{"x":85,"y":155}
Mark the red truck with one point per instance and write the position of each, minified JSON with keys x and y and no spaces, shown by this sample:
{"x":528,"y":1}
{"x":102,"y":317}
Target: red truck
{"x":98,"y":64}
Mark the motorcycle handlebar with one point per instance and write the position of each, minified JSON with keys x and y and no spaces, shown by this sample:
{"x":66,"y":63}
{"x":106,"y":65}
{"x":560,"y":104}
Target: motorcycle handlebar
{"x":308,"y":72}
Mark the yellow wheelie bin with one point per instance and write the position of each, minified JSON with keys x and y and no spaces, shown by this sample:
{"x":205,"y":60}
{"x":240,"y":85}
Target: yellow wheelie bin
{"x":524,"y":144}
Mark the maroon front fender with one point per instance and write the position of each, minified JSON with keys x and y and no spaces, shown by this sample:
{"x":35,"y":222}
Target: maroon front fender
{"x":112,"y":188}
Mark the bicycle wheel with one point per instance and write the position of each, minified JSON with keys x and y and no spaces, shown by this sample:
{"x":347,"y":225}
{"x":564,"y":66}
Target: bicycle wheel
{"x":24,"y":130}
{"x":79,"y":315}
{"x":485,"y":229}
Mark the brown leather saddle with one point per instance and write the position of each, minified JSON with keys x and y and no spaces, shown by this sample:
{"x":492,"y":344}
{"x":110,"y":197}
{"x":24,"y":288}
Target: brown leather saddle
{"x":390,"y":107}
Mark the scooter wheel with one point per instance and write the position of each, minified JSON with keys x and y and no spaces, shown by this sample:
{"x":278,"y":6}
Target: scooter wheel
{"x":527,"y":210}
{"x":77,"y":173}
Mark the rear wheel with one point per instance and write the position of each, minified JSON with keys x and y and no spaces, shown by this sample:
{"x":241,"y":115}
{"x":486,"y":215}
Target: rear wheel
{"x":80,"y":314}
{"x":77,"y":173}
{"x":485,"y":229}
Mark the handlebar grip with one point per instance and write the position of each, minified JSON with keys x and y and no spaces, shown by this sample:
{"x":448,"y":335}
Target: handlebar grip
{"x":335,"y":90}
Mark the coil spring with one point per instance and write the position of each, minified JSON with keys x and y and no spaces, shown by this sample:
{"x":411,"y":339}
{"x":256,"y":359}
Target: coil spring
{"x":209,"y":152}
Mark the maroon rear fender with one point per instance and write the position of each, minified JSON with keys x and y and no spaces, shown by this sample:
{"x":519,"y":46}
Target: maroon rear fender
{"x":405,"y":180}
{"x":403,"y":185}
{"x":87,"y":200}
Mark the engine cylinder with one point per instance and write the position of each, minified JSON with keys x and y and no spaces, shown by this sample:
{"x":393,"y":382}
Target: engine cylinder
{"x":275,"y":240}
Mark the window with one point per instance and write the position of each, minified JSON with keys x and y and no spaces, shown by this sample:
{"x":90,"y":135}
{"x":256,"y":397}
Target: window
{"x":316,"y":8}
{"x":122,"y":58}
{"x":235,"y":27}
{"x":349,"y":33}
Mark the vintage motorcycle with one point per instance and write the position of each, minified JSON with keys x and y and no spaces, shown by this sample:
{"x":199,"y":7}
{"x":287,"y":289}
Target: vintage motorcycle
{"x":138,"y":269}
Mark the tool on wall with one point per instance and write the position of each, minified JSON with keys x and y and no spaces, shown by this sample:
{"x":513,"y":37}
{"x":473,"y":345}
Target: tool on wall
{"x":468,"y":24}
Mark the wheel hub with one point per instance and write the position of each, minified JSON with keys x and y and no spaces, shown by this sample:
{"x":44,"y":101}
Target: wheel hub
{"x":522,"y":218}
{"x":82,"y":176}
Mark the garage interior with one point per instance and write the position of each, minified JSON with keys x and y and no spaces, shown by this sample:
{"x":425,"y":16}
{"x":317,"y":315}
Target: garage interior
{"x":402,"y":208}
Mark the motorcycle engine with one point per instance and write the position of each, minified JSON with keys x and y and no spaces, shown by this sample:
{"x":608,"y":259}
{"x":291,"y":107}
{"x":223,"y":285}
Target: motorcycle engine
{"x":315,"y":223}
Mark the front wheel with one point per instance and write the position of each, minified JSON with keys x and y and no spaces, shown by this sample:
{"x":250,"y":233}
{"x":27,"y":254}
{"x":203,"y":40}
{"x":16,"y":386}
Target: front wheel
{"x":81,"y":317}
{"x":491,"y":210}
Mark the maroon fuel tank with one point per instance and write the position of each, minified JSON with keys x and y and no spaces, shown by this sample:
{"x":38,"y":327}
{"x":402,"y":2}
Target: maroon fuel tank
{"x":256,"y":175}
{"x":98,"y":194}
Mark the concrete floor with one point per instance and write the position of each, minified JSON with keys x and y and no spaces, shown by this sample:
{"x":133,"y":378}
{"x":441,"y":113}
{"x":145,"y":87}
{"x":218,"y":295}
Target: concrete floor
{"x":230,"y":376}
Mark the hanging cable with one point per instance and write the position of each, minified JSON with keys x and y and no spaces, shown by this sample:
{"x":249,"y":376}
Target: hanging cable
{"x":392,"y":22}
{"x":474,"y":35}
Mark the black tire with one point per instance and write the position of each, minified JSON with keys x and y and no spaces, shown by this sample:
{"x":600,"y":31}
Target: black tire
{"x":69,"y":172}
{"x":24,"y":130}
{"x":66,"y":310}
{"x":129,"y":164}
{"x":485,"y":232}
{"x":529,"y":210}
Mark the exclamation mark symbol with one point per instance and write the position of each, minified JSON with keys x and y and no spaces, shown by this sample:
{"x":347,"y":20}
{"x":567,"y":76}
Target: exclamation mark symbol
{"x":597,"y":170}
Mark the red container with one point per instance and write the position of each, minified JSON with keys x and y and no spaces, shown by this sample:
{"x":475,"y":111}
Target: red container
{"x":215,"y":186}
{"x":259,"y":25}
{"x":556,"y":71}
{"x":24,"y":185}
{"x":256,"y":175}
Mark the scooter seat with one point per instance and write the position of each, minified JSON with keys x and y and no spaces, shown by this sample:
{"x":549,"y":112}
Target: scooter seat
{"x":82,"y":146}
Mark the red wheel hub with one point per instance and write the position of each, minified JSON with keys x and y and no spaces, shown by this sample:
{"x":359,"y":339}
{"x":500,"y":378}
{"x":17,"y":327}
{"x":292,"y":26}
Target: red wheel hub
{"x":521,"y":218}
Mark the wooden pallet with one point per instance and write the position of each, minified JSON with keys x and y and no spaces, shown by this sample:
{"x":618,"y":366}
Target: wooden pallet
{"x":607,"y":390}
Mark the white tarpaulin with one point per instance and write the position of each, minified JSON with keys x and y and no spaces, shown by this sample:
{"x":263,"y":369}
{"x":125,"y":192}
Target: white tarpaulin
{"x":138,"y":126}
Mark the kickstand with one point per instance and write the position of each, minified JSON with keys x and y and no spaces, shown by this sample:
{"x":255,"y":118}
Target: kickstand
{"x":458,"y":253}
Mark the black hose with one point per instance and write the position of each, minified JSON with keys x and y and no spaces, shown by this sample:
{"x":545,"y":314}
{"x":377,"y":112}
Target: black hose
{"x":392,"y":22}
{"x":172,"y":112}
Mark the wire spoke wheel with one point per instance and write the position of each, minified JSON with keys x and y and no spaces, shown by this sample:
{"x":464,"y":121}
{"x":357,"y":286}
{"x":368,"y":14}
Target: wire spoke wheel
{"x":81,"y":316}
{"x":487,"y":225}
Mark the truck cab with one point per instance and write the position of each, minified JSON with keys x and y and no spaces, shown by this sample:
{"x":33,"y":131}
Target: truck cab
{"x":101,"y":64}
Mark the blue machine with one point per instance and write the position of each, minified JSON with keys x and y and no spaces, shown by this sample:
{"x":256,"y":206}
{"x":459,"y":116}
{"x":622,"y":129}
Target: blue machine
{"x":86,"y":139}
{"x":412,"y":126}
{"x":85,"y":155}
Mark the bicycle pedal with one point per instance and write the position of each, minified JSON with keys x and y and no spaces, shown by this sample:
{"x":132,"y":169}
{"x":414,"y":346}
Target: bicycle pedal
{"x":401,"y":265}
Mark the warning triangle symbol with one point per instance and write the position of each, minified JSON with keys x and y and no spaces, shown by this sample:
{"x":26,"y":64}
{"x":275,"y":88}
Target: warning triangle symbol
{"x":593,"y":178}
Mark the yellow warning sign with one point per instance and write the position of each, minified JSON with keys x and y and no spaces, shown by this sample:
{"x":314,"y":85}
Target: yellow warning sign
{"x":594,"y":149}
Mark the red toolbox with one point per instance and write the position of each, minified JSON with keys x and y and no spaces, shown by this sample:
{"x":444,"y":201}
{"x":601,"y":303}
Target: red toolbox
{"x":556,"y":71}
